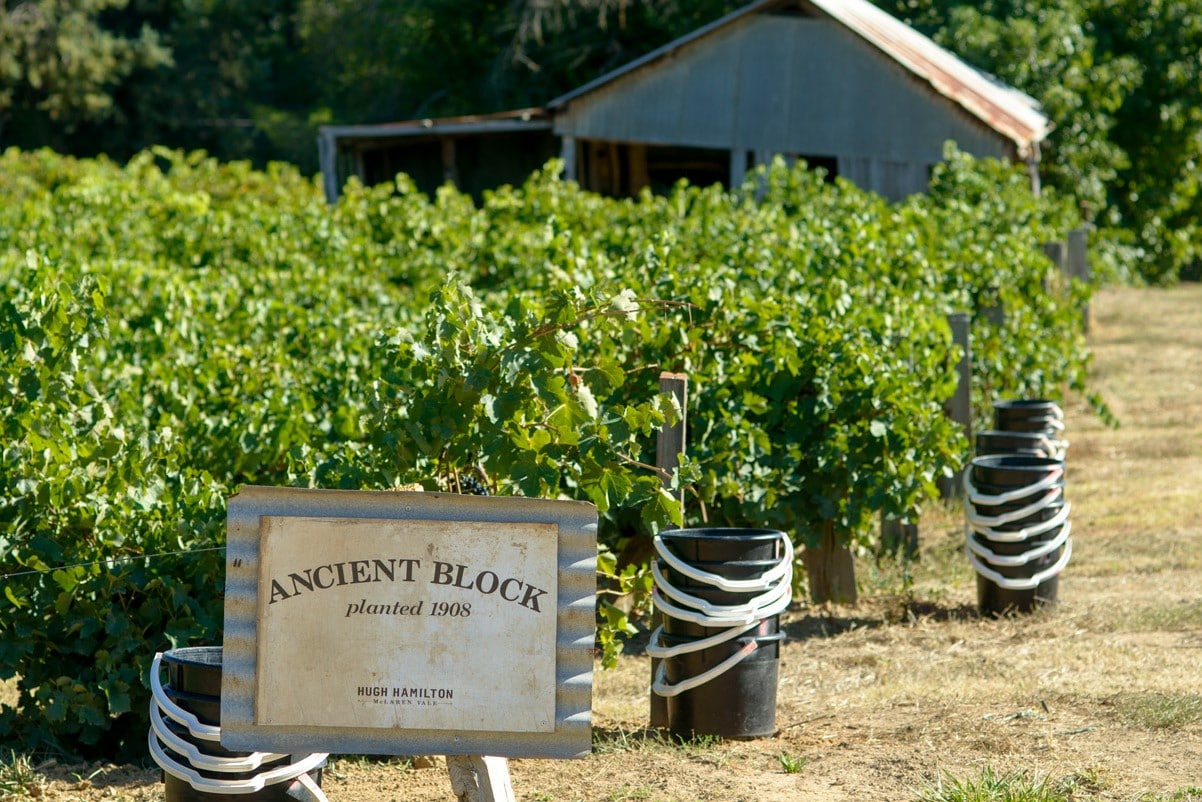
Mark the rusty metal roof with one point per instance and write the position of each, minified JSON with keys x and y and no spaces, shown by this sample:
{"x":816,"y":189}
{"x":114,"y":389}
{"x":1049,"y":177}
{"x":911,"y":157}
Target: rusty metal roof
{"x":1006,"y":110}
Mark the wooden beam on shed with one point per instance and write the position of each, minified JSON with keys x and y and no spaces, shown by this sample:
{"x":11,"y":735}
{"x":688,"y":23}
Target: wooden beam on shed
{"x":567,"y":153}
{"x":327,"y":160}
{"x":450,"y":172}
{"x":738,"y":167}
{"x":639,"y":177}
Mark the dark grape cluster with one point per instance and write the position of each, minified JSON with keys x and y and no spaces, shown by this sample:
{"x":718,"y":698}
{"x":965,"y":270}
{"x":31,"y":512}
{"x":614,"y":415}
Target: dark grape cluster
{"x":471,"y":486}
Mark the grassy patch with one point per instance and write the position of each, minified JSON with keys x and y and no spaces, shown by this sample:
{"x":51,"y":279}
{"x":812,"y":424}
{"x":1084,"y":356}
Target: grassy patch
{"x":18,"y":778}
{"x":1191,"y":794}
{"x":648,"y":739}
{"x":1159,"y":711}
{"x":939,"y":567}
{"x":792,"y":764}
{"x":1014,"y":786}
{"x":1175,"y":617}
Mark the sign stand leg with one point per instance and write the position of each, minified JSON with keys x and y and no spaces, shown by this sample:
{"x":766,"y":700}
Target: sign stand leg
{"x":480,"y":778}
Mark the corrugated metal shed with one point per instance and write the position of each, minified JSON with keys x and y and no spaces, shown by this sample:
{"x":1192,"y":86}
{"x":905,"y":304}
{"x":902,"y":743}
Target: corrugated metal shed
{"x":838,"y":83}
{"x":1003,"y":108}
{"x":346,"y":150}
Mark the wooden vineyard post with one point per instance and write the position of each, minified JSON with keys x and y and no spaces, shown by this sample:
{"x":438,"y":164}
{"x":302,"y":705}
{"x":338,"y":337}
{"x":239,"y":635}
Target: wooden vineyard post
{"x":670,"y":444}
{"x":899,"y":537}
{"x":959,"y":406}
{"x":1078,"y":264}
{"x":669,"y":447}
{"x":477,"y":778}
{"x":831,"y":569}
{"x":1055,"y":251}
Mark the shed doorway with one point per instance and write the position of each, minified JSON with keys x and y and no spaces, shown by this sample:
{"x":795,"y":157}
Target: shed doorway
{"x":621,"y":169}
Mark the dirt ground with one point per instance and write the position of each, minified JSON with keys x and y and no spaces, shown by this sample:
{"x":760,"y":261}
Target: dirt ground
{"x":880,"y":701}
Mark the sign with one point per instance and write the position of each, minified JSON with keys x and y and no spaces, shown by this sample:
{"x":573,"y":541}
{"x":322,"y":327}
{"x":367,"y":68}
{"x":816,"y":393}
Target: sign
{"x":408,"y":623}
{"x":439,"y":625}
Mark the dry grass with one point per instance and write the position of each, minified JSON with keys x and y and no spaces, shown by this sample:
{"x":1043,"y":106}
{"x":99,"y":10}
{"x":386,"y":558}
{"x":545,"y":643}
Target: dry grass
{"x":1139,"y":486}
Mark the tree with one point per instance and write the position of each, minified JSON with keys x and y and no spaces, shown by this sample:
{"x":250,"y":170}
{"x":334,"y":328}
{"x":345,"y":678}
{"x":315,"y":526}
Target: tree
{"x":561,"y":44}
{"x":1121,"y":81}
{"x":1159,"y":125}
{"x":444,"y":57}
{"x":59,"y":65}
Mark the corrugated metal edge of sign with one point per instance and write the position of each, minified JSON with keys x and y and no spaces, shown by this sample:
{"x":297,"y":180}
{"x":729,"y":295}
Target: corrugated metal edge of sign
{"x":575,"y":622}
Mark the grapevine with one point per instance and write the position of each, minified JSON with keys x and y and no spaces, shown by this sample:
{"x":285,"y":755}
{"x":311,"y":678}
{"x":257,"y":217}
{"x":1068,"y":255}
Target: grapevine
{"x":174,"y":328}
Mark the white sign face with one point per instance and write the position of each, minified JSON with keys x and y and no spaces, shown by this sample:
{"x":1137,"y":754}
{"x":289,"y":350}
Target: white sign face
{"x":406,"y":624}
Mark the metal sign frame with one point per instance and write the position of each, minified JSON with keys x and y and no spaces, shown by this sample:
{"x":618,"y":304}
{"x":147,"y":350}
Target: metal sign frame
{"x":575,"y":625}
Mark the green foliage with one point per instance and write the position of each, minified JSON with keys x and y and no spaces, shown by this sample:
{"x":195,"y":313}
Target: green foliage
{"x":992,"y":786}
{"x":631,"y":587}
{"x":174,"y":328}
{"x":57,"y":60}
{"x":1120,"y":81}
{"x":792,"y":764}
{"x":19,"y":779}
{"x":1159,"y":711}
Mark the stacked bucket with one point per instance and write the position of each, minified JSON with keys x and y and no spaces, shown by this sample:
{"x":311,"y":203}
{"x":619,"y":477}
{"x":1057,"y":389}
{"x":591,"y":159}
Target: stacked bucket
{"x":1018,"y":533}
{"x":720,"y":593}
{"x":185,"y":739}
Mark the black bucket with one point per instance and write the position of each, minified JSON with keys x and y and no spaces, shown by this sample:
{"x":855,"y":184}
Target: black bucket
{"x":990,"y":489}
{"x":1014,"y":575}
{"x":194,"y":685}
{"x":680,"y":626}
{"x":1027,"y":415}
{"x":1050,"y":496}
{"x":1042,"y":515}
{"x":722,"y":544}
{"x":1013,"y":470}
{"x":995,"y":600}
{"x":734,"y":569}
{"x":993,"y":595}
{"x":207,"y":709}
{"x":739,"y":703}
{"x":1025,"y":570}
{"x":1013,"y":548}
{"x":1031,"y":444}
{"x":195,"y":669}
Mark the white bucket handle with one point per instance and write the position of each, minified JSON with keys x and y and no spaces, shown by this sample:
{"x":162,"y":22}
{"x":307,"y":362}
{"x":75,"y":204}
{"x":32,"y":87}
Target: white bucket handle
{"x":198,"y":729}
{"x":764,"y":582}
{"x":1046,"y":500}
{"x":199,"y":759}
{"x":662,"y":687}
{"x":654,"y":649}
{"x":1000,"y":536}
{"x":737,"y":619}
{"x":1012,"y":560}
{"x":1053,"y":476}
{"x":1031,"y":583}
{"x":722,"y":612}
{"x":249,"y":785}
